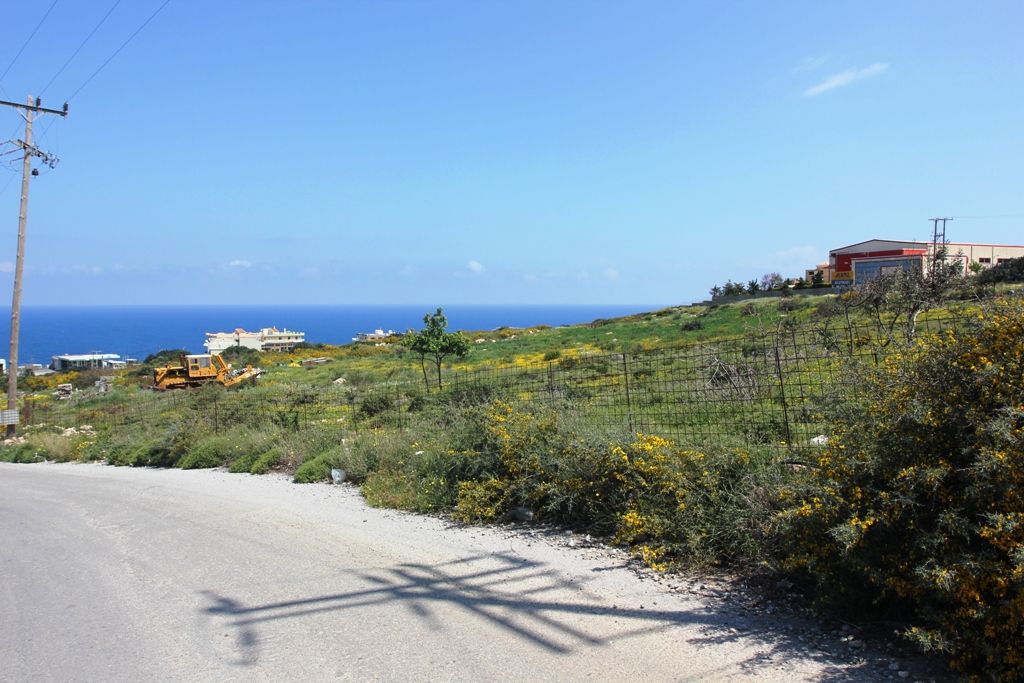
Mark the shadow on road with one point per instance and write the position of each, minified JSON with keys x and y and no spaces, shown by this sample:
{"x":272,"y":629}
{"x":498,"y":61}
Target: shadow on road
{"x":519,"y":597}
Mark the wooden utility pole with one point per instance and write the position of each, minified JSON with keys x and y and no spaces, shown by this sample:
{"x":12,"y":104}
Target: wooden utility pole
{"x":27,"y":110}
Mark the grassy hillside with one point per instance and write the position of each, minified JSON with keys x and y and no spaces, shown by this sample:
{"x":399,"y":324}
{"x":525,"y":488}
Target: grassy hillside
{"x":361,"y":364}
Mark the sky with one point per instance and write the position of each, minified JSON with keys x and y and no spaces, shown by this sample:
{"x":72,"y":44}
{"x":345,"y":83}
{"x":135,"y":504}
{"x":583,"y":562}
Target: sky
{"x":497,"y":152}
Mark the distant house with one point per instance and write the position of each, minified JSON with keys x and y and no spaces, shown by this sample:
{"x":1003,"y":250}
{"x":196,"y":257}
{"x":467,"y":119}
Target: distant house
{"x":375,"y":336}
{"x":86,"y":361}
{"x":826,"y":273}
{"x":267,"y":339}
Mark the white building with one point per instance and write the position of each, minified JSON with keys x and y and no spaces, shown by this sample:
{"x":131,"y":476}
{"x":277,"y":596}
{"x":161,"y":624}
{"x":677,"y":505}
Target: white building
{"x":267,"y":339}
{"x":376,"y":335}
{"x":86,"y":361}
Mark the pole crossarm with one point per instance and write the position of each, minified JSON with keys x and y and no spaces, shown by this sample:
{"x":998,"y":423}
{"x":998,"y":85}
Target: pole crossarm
{"x":31,"y":150}
{"x":37,"y":108}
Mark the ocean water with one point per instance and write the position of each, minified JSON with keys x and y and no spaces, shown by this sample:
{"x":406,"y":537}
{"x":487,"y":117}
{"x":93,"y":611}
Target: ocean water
{"x":137,"y":331}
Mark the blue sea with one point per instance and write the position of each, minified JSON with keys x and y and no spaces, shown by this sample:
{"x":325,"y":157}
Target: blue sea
{"x":137,"y":331}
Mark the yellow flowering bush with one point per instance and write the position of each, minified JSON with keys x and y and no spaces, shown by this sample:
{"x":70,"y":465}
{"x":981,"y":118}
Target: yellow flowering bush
{"x":917,"y":504}
{"x":672,"y":505}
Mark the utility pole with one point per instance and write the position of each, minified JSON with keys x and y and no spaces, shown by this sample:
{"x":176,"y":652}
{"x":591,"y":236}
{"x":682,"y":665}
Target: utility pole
{"x":27,"y":110}
{"x":938,"y":238}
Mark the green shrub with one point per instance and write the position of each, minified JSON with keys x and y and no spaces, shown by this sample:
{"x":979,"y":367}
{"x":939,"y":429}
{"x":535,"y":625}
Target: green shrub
{"x":916,"y":506}
{"x":674,"y":506}
{"x":312,"y":470}
{"x":202,"y":457}
{"x":318,"y":467}
{"x":243,"y":463}
{"x":267,"y":461}
{"x":21,"y":453}
{"x":554,"y":354}
{"x":219,"y":450}
{"x":375,"y":404}
{"x":1007,"y":271}
{"x":52,"y":446}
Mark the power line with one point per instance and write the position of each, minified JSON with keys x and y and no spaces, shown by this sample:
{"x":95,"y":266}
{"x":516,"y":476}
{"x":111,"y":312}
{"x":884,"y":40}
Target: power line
{"x":109,"y":59}
{"x":118,"y":50}
{"x":28,"y":40}
{"x":79,"y":48}
{"x":993,"y":216}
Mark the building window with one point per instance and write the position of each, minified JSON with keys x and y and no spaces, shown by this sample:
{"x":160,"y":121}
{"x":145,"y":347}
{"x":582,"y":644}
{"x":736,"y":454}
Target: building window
{"x":984,"y":260}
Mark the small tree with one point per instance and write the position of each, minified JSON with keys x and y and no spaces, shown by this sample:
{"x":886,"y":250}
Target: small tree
{"x":753,"y":287}
{"x":733,"y":288}
{"x":436,"y":343}
{"x":818,"y":279}
{"x":770,"y":281}
{"x":716,"y":291}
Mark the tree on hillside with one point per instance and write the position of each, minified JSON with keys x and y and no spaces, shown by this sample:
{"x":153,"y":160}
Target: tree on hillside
{"x":240,"y":356}
{"x":436,"y":343}
{"x":770,"y":281}
{"x":165,"y":357}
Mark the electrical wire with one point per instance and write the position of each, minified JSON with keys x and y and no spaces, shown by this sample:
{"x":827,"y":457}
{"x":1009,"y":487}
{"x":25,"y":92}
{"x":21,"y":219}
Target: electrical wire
{"x":109,"y":59}
{"x":994,"y":216}
{"x":118,"y":50}
{"x":28,"y":40}
{"x":79,"y":48}
{"x":8,"y":184}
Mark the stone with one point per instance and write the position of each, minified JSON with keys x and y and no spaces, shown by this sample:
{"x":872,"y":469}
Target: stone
{"x":522,"y":514}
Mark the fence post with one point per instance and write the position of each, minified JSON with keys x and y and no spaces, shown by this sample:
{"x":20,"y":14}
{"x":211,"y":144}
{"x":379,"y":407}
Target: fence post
{"x":398,"y":405}
{"x":782,"y":393}
{"x":551,"y":382}
{"x":629,"y":402}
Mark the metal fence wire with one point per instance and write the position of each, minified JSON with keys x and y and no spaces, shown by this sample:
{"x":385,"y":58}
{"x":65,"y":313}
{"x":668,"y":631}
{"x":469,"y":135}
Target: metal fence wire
{"x":765,"y":388}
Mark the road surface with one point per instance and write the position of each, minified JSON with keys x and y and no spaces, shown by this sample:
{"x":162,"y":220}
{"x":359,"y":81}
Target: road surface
{"x":118,"y":574}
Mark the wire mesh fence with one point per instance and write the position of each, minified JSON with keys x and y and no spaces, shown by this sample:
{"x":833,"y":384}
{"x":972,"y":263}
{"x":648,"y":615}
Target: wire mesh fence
{"x":765,"y":388}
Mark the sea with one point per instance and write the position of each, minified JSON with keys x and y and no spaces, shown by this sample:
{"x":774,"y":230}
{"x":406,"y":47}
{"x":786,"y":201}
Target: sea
{"x":137,"y":331}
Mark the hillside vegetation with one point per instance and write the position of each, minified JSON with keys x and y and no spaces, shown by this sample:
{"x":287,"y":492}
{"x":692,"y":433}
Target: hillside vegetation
{"x":867,"y":447}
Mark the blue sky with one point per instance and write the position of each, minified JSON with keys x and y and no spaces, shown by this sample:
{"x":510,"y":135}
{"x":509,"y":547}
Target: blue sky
{"x":501,"y":152}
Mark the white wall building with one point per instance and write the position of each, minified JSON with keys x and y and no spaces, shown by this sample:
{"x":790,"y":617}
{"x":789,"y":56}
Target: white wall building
{"x":267,"y":339}
{"x":86,"y":361}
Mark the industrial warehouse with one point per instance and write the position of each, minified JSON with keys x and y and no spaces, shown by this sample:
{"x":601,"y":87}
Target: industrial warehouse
{"x":858,"y":263}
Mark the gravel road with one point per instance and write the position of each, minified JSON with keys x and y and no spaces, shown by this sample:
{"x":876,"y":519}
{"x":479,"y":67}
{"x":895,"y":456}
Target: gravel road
{"x":117,"y":574}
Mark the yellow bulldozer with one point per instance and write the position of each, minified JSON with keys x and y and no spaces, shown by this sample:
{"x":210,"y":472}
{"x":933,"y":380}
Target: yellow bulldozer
{"x":198,"y":369}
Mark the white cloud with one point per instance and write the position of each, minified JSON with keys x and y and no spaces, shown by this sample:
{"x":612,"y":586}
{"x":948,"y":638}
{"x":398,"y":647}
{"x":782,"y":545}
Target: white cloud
{"x":475,"y":267}
{"x":309,"y":273}
{"x":845,"y":78}
{"x":611,"y":275}
{"x":88,"y":270}
{"x":240,"y":263}
{"x":6,"y":267}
